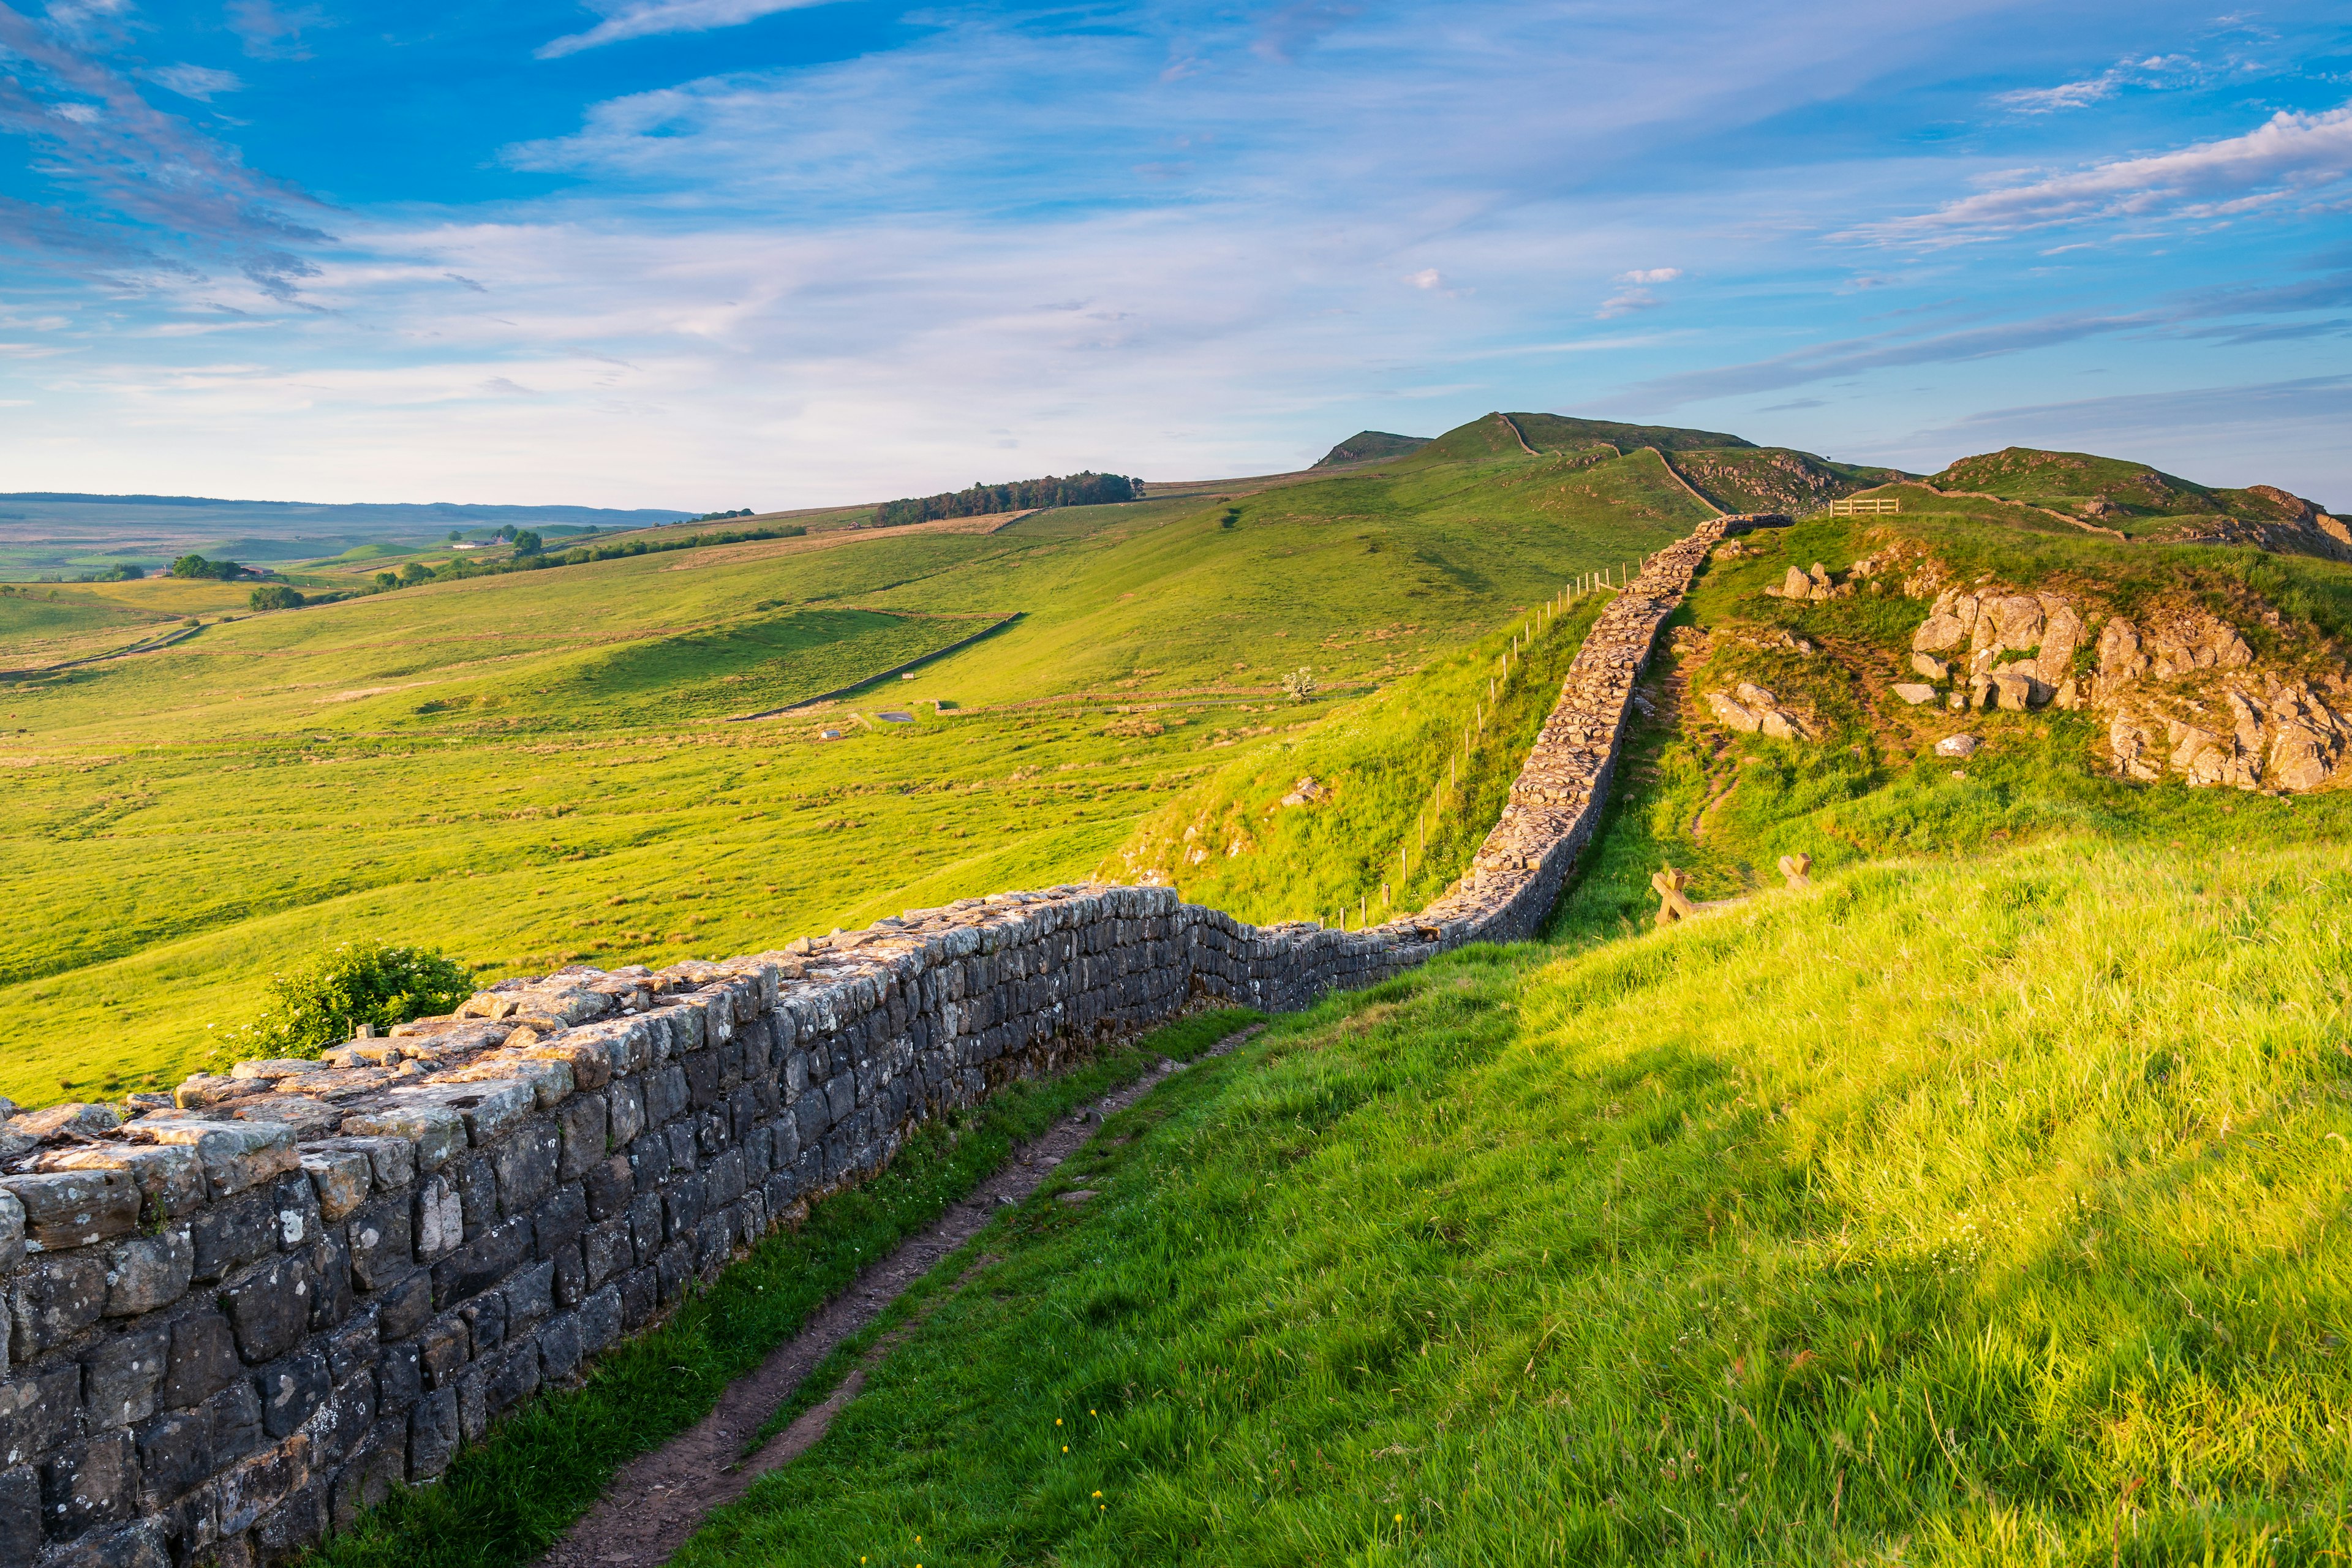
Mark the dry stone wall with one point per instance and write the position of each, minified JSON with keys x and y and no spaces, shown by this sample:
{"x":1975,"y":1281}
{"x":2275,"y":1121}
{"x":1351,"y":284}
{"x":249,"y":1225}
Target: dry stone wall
{"x":239,"y":1318}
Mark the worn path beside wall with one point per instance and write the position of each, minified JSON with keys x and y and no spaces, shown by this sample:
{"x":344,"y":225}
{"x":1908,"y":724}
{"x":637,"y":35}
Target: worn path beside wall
{"x":237,"y":1321}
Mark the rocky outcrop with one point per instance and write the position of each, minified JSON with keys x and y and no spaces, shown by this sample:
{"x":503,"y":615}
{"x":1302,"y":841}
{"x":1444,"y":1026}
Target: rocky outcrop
{"x":2009,"y":650}
{"x":2179,"y":690}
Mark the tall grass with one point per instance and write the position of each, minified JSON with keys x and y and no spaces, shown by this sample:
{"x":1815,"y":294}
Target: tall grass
{"x":1952,"y":1213}
{"x":1411,"y":779}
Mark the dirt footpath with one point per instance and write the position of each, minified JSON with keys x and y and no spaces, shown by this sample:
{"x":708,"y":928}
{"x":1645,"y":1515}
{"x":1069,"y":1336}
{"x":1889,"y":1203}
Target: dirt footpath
{"x":660,"y":1498}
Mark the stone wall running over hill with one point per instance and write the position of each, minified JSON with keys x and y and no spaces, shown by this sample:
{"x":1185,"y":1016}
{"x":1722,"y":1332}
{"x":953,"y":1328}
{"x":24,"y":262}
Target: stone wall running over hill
{"x":240,"y":1318}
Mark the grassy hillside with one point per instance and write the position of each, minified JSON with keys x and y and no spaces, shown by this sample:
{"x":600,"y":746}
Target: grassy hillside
{"x":1957,"y":1213}
{"x":1727,"y":807}
{"x":1773,"y":479}
{"x":1408,"y":781}
{"x":1369,"y":446}
{"x":2130,"y":497}
{"x":1982,"y":1204}
{"x":530,"y":769}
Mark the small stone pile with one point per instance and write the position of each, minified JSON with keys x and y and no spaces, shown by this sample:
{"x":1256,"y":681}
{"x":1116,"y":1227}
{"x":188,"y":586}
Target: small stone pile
{"x":241,"y":1316}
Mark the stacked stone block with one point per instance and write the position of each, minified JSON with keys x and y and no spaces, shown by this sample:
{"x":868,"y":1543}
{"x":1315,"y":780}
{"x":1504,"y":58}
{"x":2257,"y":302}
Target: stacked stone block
{"x":238,"y":1320}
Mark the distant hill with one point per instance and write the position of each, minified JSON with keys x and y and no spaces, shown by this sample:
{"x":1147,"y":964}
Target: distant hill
{"x":2090,"y":486}
{"x":70,"y":533}
{"x":1503,"y":435}
{"x":1365,"y":445}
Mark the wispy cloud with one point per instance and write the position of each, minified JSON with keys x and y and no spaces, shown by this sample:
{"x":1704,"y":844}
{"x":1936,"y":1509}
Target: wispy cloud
{"x":626,"y":19}
{"x":270,"y":33}
{"x":199,"y":83}
{"x":2291,"y":159}
{"x":2154,"y":70}
{"x":1849,"y":357}
{"x":1292,"y":29}
{"x":1637,"y":297}
{"x":157,"y":193}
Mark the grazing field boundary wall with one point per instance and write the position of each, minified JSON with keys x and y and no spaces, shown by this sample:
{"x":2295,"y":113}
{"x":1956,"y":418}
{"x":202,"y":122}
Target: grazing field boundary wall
{"x":240,"y":1318}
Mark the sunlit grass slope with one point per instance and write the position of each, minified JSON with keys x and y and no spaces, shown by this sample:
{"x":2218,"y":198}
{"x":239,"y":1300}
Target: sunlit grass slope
{"x":1953,"y":1213}
{"x":482,"y":765}
{"x":1410,"y":779}
{"x":1726,"y":806}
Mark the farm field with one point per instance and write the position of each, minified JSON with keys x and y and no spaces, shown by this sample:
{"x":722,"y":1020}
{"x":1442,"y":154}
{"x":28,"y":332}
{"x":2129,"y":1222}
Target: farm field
{"x":486,"y":765}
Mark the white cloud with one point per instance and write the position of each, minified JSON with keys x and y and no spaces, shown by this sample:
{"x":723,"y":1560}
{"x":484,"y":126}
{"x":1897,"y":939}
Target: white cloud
{"x":2292,"y":158}
{"x":2066,"y":95}
{"x":2155,"y":71}
{"x":625,"y":19}
{"x":1427,"y":277}
{"x":200,"y":82}
{"x":1637,"y":296}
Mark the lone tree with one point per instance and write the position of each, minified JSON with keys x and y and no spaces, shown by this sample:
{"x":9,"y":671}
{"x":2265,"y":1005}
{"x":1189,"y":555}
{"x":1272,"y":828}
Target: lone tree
{"x":1299,"y":684}
{"x":527,"y":543}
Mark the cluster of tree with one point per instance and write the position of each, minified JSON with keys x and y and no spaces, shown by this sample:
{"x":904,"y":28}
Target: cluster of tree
{"x":118,"y":572}
{"x":197,"y":566}
{"x":723,"y":516}
{"x":275,"y":596}
{"x":1087,"y":488}
{"x":531,"y":554}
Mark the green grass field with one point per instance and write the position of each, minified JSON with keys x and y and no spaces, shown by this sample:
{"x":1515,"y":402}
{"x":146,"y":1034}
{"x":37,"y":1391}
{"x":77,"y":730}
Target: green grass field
{"x":1981,"y":1204}
{"x":536,"y":768}
{"x":1954,"y":1213}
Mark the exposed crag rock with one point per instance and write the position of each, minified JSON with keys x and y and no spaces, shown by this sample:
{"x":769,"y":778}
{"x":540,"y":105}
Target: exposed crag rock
{"x":2180,"y":689}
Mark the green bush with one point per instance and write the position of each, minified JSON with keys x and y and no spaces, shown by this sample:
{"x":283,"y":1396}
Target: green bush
{"x":275,"y":596}
{"x":324,"y":1002}
{"x":197,"y":567}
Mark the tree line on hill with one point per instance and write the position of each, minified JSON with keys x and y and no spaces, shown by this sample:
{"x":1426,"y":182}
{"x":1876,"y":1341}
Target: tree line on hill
{"x":1087,"y":489}
{"x":531,"y":554}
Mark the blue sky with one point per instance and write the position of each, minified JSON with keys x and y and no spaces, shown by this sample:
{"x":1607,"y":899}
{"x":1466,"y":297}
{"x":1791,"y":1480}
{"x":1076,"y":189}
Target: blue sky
{"x":720,"y":253}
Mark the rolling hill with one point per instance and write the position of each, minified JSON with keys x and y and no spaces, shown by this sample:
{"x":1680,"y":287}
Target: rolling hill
{"x":481,"y":765}
{"x":1980,"y":1199}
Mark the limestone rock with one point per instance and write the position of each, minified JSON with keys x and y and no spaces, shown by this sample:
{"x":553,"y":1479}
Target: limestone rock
{"x":235,"y":1156}
{"x":75,"y":1208}
{"x":2016,"y":688}
{"x":1956,"y":746}
{"x":1732,"y":714}
{"x":1913,"y":693}
{"x":1929,"y":668}
{"x":66,"y":1124}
